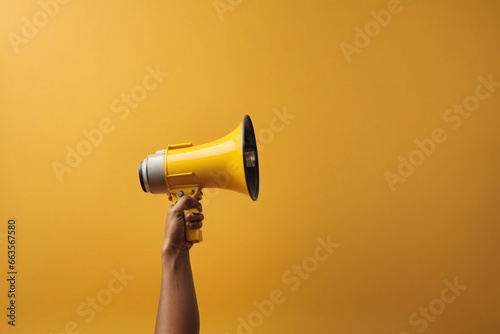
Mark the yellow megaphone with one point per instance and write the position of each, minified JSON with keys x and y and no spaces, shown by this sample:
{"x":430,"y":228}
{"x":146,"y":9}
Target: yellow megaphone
{"x":230,"y":162}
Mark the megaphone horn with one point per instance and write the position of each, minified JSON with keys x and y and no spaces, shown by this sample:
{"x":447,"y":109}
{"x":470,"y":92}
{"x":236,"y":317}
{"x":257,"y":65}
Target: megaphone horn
{"x":230,"y":162}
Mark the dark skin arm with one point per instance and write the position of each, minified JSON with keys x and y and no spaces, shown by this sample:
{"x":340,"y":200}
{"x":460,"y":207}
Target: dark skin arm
{"x":178,"y":308}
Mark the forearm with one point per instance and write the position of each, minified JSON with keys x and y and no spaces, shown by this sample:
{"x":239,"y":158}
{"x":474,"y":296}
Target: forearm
{"x":178,"y":308}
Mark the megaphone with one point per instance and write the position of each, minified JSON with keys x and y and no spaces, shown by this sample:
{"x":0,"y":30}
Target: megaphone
{"x":230,"y":162}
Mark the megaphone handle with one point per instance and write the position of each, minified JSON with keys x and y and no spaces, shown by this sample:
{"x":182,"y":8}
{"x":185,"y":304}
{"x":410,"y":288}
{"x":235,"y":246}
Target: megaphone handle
{"x":193,"y":235}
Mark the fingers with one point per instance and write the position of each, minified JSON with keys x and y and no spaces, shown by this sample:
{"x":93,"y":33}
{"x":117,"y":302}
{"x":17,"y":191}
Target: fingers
{"x":187,"y":202}
{"x":194,"y":220}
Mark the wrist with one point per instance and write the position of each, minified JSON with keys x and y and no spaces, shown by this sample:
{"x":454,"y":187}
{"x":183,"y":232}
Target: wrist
{"x":174,"y":253}
{"x":175,"y":261}
{"x":175,"y":246}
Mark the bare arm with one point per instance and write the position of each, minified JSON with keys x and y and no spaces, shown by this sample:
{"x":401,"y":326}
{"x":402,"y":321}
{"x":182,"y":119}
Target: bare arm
{"x":178,"y":308}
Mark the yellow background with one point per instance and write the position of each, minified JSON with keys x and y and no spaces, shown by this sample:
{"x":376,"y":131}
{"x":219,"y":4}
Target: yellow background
{"x":322,"y":170}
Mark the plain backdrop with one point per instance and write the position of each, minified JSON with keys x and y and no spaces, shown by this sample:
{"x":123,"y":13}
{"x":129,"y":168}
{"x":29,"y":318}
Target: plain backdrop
{"x":378,"y":211}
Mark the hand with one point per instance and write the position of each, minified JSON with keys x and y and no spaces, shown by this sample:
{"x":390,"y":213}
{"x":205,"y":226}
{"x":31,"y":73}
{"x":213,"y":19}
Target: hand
{"x":176,"y":223}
